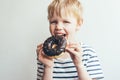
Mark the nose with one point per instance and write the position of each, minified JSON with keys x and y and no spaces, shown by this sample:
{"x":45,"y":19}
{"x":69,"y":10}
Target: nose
{"x":59,"y":26}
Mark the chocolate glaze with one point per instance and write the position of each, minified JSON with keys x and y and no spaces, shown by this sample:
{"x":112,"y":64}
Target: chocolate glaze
{"x":59,"y":43}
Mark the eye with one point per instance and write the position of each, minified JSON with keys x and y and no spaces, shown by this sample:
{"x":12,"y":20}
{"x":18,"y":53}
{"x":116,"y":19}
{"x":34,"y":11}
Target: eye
{"x":54,"y":22}
{"x":66,"y":21}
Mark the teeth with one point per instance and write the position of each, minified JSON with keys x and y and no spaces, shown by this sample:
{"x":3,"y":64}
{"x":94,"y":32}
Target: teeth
{"x":61,"y":35}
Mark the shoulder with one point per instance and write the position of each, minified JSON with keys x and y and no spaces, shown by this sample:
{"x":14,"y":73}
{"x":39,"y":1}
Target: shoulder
{"x":89,"y":55}
{"x":87,"y":50}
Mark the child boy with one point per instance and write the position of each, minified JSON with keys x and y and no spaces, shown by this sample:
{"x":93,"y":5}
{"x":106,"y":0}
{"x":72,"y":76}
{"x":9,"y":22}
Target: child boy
{"x":79,"y":62}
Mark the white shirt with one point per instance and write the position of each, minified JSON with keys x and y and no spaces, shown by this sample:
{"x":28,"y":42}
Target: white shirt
{"x":64,"y":69}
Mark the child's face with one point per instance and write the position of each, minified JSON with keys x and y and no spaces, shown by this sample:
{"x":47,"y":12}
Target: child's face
{"x":67,"y":26}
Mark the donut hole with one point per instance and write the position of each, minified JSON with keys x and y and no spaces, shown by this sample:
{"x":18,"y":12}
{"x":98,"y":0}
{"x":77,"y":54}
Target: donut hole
{"x":54,"y":46}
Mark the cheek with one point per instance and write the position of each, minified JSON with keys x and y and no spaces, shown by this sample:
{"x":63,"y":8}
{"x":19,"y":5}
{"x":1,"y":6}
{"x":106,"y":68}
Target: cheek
{"x":51,"y":29}
{"x":70,"y":30}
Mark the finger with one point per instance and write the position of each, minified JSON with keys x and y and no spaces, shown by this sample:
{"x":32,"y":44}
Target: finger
{"x":40,"y":53}
{"x":40,"y":45}
{"x":75,"y":47}
{"x":71,"y":51}
{"x":37,"y":51}
{"x":38,"y":48}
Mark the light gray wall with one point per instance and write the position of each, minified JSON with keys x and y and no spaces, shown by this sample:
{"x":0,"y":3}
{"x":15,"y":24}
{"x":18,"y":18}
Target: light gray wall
{"x":23,"y":25}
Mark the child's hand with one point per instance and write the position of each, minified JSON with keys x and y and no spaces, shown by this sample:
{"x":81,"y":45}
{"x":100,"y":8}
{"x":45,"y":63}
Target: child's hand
{"x":48,"y":62}
{"x":74,"y":49}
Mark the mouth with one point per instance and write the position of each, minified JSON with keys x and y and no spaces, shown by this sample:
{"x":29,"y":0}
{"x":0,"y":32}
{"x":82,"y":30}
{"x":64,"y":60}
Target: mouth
{"x":64,"y":35}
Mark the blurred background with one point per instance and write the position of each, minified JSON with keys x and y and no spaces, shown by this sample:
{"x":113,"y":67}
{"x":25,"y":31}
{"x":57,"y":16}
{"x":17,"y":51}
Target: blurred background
{"x":24,"y":25}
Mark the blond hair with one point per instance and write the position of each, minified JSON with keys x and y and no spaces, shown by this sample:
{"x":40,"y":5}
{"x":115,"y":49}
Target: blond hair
{"x":65,"y":7}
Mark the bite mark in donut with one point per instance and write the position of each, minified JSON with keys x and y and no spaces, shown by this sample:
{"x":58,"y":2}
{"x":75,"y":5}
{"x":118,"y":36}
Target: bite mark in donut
{"x":54,"y":45}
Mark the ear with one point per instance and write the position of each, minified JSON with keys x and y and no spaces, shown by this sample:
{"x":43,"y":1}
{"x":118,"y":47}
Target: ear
{"x":79,"y":24}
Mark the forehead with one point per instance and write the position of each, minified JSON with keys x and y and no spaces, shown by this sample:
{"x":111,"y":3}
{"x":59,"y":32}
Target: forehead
{"x":70,"y":18}
{"x":63,"y":15}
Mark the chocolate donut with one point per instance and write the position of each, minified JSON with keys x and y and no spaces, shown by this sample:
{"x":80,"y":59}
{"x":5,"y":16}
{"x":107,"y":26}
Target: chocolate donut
{"x":54,"y":45}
